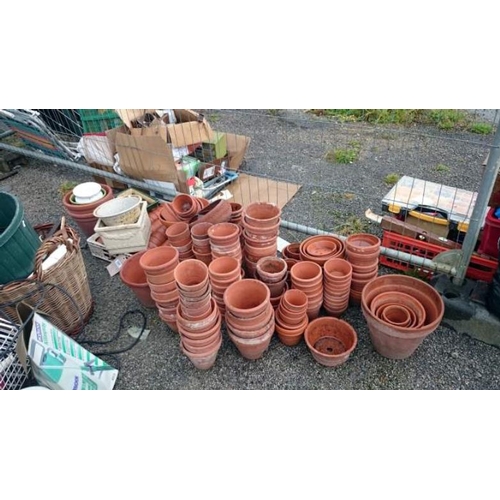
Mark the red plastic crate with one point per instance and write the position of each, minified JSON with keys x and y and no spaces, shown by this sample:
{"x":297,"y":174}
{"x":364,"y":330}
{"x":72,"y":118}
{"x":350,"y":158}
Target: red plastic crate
{"x":480,"y":268}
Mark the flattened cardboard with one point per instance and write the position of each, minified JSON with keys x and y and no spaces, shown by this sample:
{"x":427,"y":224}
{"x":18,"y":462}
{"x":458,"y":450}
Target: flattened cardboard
{"x":191,"y":128}
{"x":237,"y":146}
{"x":129,"y":116}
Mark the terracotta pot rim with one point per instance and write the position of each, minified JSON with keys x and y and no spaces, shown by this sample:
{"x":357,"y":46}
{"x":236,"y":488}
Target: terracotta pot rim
{"x":245,"y":285}
{"x":327,"y":320}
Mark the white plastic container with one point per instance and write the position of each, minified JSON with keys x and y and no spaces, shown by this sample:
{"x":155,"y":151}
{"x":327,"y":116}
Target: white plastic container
{"x":88,"y":192}
{"x":128,"y":238}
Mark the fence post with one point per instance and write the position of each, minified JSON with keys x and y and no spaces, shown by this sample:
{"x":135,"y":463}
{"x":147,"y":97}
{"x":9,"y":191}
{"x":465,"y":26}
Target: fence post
{"x":480,"y":208}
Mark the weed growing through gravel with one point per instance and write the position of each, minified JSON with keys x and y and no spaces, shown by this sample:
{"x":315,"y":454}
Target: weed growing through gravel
{"x":481,"y":128}
{"x":344,"y":155}
{"x":352,"y":225}
{"x":274,"y":112}
{"x":440,"y":167}
{"x":67,"y":186}
{"x":391,"y":179}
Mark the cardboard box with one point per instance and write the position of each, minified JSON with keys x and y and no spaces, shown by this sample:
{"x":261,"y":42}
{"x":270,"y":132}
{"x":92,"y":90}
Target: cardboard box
{"x":57,"y":361}
{"x":237,"y":146}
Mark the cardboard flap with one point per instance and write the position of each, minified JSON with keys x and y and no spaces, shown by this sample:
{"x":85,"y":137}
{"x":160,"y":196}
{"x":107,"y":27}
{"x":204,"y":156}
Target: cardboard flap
{"x":237,"y":146}
{"x":146,"y":158}
{"x":129,"y":116}
{"x":191,"y":128}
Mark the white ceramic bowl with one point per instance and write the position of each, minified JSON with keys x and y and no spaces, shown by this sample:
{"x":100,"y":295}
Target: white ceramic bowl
{"x":119,"y":211}
{"x":88,"y":192}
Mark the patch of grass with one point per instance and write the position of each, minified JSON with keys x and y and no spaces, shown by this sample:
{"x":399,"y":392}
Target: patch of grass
{"x":214,"y":117}
{"x":274,"y":112}
{"x":67,"y":186}
{"x":391,"y":179}
{"x":440,"y":167}
{"x":481,"y":128}
{"x":352,"y":225}
{"x":343,"y":156}
{"x":444,"y":119}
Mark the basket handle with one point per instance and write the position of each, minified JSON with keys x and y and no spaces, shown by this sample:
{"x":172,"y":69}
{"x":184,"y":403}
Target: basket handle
{"x":65,"y":236}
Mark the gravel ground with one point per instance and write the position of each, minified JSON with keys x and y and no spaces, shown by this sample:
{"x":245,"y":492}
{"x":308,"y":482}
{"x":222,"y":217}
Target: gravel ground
{"x":292,"y":146}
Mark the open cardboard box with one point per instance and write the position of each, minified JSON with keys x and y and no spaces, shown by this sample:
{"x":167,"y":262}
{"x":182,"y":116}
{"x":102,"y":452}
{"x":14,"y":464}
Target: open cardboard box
{"x":147,"y":153}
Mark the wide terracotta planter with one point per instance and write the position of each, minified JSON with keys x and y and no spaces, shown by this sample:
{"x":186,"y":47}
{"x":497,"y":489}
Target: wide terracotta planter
{"x":330,"y":340}
{"x":319,"y":249}
{"x":253,"y":349}
{"x":272,"y":269}
{"x":391,"y":341}
{"x":261,"y":214}
{"x":158,"y":261}
{"x":247,"y":298}
{"x":132,"y":274}
{"x":203,"y":361}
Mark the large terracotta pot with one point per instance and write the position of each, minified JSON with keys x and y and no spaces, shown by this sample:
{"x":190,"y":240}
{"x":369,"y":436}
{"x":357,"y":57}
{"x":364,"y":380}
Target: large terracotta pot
{"x":132,"y":274}
{"x":396,"y":342}
{"x":330,"y":340}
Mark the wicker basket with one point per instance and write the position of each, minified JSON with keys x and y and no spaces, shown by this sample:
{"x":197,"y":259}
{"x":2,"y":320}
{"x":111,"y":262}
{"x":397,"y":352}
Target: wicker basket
{"x":62,"y":291}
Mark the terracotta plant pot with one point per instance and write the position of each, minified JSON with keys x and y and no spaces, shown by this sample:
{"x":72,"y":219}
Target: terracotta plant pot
{"x":247,"y":298}
{"x":158,"y":261}
{"x":185,"y":206}
{"x":291,"y":335}
{"x":306,"y":274}
{"x":403,"y":299}
{"x":134,"y":277}
{"x":199,"y":329}
{"x":391,"y":341}
{"x":261,"y":214}
{"x":224,"y":269}
{"x":330,"y":341}
{"x":199,"y":231}
{"x":216,"y":212}
{"x":319,"y":249}
{"x":254,"y":348}
{"x":272,"y":269}
{"x":191,"y":276}
{"x":295,"y":301}
{"x":337,"y":270}
{"x":292,"y":251}
{"x":363,"y":243}
{"x":224,"y":234}
{"x":203,"y":361}
{"x":178,"y":234}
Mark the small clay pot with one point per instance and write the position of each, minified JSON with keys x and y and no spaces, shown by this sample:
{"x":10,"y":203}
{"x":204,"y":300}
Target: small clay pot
{"x":191,"y":275}
{"x":167,"y":216}
{"x":337,"y":270}
{"x":178,"y":234}
{"x":295,"y":301}
{"x":185,"y":206}
{"x":224,"y":234}
{"x":306,"y":274}
{"x":292,"y":336}
{"x":330,"y":340}
{"x":261,"y":214}
{"x":203,"y":361}
{"x":199,"y":231}
{"x":362,"y":243}
{"x":199,"y":328}
{"x":247,"y":298}
{"x":216,"y":212}
{"x":158,"y":261}
{"x":292,"y":251}
{"x":224,"y":269}
{"x":272,"y":269}
{"x":132,"y":274}
{"x":319,"y":249}
{"x":253,"y":349}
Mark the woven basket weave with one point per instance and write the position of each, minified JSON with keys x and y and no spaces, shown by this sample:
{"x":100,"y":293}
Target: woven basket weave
{"x":70,"y":308}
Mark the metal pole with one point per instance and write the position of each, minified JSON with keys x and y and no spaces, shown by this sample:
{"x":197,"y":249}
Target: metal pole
{"x":168,"y":193}
{"x":388,"y":252}
{"x":480,"y":208}
{"x":3,"y":135}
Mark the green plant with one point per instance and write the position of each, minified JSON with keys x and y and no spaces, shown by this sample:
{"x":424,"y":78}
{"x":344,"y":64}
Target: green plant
{"x":481,"y":128}
{"x":440,"y":167}
{"x":391,"y":179}
{"x":67,"y":186}
{"x":352,"y":225}
{"x":343,"y":156}
{"x":274,"y":112}
{"x":214,"y":117}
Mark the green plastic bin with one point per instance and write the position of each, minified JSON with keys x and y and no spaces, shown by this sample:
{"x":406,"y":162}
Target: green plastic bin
{"x":99,"y":120}
{"x":18,"y":241}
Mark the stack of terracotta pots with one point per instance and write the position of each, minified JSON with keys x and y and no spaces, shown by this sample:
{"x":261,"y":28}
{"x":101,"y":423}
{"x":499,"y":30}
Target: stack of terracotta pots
{"x":198,"y":317}
{"x":291,"y":251}
{"x":362,"y":252}
{"x":236,"y":213}
{"x":273,"y":271}
{"x":83,"y":214}
{"x":319,"y":249}
{"x":158,"y":236}
{"x":186,"y":206}
{"x":261,"y":223}
{"x":179,"y":237}
{"x":159,"y":265}
{"x":291,"y":317}
{"x":215,"y":212}
{"x":225,"y":241}
{"x":132,"y":274}
{"x":201,"y":241}
{"x":401,"y":311}
{"x":223,"y":272}
{"x":249,"y":317}
{"x":337,"y":286}
{"x":308,"y":277}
